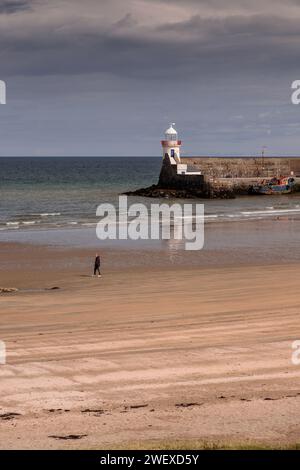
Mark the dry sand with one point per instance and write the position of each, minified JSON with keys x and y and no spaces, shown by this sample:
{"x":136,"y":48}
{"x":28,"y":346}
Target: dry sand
{"x":148,"y":355}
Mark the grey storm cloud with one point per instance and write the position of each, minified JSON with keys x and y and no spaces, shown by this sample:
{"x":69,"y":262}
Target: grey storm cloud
{"x":127,"y":46}
{"x":14,"y":6}
{"x":77,"y":68}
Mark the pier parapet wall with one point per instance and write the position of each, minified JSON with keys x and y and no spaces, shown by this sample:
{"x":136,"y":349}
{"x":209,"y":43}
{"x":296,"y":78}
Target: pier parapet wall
{"x":244,"y":167}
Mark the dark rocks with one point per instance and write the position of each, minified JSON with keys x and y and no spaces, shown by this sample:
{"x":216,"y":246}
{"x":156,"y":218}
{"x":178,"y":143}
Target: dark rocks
{"x":94,"y":412}
{"x":8,"y":290}
{"x":187,"y":405}
{"x":69,"y":437}
{"x":9,"y":416}
{"x":155,"y":191}
{"x":57,"y":410}
{"x":136,"y":407}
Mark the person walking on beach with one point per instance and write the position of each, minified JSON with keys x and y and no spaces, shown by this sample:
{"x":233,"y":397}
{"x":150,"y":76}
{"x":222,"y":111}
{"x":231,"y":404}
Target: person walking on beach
{"x":97,"y":265}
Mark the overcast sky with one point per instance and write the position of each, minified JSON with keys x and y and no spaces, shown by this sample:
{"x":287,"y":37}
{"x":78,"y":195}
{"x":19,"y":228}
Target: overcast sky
{"x":105,"y":77}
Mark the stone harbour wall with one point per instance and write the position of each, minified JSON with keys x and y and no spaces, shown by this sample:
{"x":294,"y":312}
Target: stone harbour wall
{"x":244,"y":167}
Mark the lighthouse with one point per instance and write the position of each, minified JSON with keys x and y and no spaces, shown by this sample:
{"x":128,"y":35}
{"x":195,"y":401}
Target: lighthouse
{"x":171,"y":154}
{"x":171,"y":145}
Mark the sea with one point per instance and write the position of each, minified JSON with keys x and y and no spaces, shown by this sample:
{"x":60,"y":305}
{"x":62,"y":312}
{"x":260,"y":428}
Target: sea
{"x":54,"y":201}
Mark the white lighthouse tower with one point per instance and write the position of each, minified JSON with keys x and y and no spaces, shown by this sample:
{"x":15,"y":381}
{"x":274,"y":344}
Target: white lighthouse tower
{"x":171,"y":145}
{"x":171,"y":153}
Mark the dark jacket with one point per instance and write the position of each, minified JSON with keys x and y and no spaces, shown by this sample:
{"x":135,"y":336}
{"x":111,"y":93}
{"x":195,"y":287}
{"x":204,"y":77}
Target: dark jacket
{"x":97,"y":261}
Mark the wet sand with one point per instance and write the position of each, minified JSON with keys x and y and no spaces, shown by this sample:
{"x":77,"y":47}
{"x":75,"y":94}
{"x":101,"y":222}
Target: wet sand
{"x":146,"y":354}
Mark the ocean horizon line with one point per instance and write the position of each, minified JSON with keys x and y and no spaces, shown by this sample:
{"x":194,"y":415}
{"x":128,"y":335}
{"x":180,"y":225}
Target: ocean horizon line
{"x":147,"y":156}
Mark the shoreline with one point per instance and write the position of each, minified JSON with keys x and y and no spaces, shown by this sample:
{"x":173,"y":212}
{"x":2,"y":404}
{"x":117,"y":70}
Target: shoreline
{"x":71,"y":252}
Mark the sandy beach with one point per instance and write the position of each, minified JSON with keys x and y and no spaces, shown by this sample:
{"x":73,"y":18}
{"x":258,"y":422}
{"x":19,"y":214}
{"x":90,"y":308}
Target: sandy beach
{"x":146,"y":355}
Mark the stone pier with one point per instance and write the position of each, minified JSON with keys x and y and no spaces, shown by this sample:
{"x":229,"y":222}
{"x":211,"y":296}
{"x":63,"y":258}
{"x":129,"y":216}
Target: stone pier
{"x":223,"y":177}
